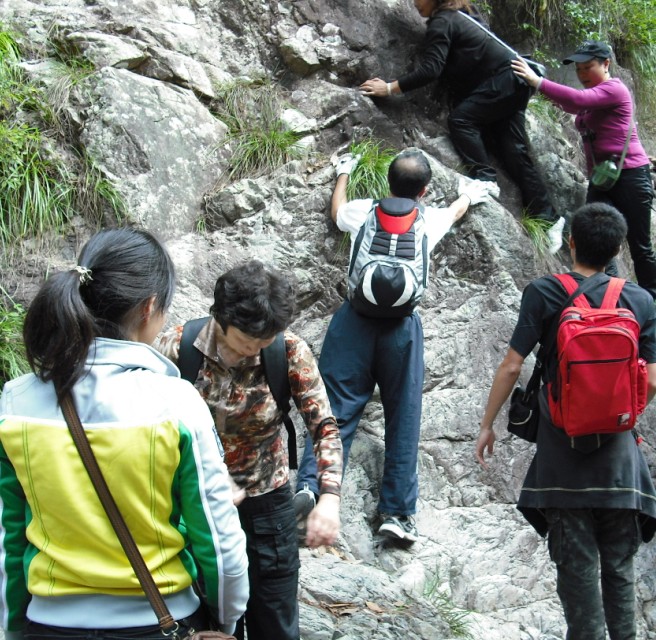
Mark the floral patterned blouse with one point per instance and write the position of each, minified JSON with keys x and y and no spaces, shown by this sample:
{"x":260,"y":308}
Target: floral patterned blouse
{"x":247,"y":417}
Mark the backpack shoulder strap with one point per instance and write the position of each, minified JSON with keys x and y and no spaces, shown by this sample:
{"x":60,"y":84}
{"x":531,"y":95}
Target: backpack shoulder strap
{"x":360,"y":236}
{"x":612,"y":294}
{"x":190,"y":359}
{"x":570,"y":285}
{"x":276,"y":371}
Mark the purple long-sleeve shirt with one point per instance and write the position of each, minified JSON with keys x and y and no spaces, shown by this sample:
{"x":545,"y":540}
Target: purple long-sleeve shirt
{"x":604,"y":110}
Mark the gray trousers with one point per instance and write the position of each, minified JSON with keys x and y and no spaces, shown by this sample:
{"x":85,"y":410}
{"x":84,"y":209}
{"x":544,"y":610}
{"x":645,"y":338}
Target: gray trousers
{"x":585,"y":543}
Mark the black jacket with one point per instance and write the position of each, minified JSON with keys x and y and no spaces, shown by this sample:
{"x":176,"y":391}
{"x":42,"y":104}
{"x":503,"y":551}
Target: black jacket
{"x":457,"y":51}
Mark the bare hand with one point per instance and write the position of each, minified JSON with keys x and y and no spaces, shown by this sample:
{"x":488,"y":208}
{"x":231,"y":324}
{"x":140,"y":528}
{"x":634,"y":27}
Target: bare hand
{"x":522,"y":70}
{"x":485,"y":440}
{"x":374,"y":88}
{"x":238,"y":494}
{"x":323,"y":521}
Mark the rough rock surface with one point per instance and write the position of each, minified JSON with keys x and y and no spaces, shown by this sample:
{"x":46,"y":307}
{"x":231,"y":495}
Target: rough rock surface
{"x":144,"y":118}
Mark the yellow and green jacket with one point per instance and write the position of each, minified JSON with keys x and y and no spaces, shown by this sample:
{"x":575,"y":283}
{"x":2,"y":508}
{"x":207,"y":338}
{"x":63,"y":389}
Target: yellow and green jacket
{"x":60,"y":561}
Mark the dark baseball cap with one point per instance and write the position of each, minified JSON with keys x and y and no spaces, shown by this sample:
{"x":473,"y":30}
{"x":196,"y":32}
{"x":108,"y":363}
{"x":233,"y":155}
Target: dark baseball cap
{"x":588,"y":50}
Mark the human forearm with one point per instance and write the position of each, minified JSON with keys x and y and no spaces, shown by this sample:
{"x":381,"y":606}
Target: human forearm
{"x":602,"y":96}
{"x":459,"y":207}
{"x":328,"y":452}
{"x":504,"y":382}
{"x":339,"y":196}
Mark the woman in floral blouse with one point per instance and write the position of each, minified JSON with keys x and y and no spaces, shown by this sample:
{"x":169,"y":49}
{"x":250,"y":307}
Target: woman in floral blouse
{"x":252,"y":304}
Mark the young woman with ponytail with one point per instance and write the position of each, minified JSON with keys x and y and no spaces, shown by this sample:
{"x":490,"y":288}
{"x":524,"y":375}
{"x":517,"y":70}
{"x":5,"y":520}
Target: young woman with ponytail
{"x":63,"y":572}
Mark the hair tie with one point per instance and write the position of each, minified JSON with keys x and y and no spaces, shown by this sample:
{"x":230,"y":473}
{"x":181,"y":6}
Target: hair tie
{"x":84,"y":272}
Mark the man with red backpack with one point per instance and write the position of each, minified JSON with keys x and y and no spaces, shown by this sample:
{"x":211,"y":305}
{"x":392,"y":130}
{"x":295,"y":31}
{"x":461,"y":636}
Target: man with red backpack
{"x":588,"y":487}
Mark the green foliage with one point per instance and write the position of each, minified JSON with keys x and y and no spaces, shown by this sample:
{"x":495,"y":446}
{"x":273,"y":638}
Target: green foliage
{"x":536,"y":229}
{"x":35,"y":193}
{"x":13,"y":362}
{"x":38,"y":191}
{"x":369,"y":178}
{"x":15,"y":92}
{"x":452,"y":615}
{"x":260,"y":139}
{"x":96,"y":197}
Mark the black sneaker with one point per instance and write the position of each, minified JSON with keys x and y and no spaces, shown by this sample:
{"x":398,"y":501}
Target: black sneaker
{"x":304,"y":501}
{"x":399,"y":528}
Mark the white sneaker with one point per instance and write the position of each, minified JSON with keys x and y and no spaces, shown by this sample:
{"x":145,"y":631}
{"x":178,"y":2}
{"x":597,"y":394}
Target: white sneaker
{"x":491,"y":187}
{"x":555,"y":235}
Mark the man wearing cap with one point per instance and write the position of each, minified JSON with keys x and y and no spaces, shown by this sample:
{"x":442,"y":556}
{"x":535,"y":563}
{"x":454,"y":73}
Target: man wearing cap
{"x":360,"y":351}
{"x":605,"y":119}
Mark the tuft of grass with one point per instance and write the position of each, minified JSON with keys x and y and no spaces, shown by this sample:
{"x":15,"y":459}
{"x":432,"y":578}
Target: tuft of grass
{"x":35,"y":194}
{"x":13,"y":362}
{"x":369,"y":178}
{"x":96,"y":198}
{"x":261,"y":142}
{"x":536,"y":230}
{"x":452,"y":615}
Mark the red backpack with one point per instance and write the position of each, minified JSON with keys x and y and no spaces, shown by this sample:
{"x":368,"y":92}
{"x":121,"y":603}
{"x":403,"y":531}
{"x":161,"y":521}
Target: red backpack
{"x":601,"y":382}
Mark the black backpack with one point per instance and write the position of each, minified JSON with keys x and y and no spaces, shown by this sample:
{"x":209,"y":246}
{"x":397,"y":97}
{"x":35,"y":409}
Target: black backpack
{"x":274,"y":359}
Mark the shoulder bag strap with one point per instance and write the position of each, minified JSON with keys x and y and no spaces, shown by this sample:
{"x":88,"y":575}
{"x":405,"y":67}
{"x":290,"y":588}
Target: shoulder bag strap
{"x":620,"y":163}
{"x":489,"y":33}
{"x":166,"y":622}
{"x":360,"y":236}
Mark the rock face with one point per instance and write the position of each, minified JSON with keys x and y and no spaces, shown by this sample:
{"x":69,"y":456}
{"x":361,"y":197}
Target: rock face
{"x":144,"y":117}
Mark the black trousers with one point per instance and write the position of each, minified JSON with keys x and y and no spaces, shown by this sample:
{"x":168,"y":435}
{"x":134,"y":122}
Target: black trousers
{"x":593,"y":550}
{"x":269,"y":522}
{"x":496,"y":110}
{"x":632,"y":196}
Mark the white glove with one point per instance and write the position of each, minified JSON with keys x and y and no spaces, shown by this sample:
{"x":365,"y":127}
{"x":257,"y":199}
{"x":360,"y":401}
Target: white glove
{"x":476,"y":190}
{"x":346,"y":163}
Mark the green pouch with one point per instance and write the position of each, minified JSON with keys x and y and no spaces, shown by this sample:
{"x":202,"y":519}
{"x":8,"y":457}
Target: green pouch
{"x":605,"y":175}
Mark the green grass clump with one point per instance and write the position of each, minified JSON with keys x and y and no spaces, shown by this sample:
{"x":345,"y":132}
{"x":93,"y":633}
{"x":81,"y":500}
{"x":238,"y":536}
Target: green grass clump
{"x":536,"y":229}
{"x":447,"y":610}
{"x":39,"y":192}
{"x":369,"y":178}
{"x":96,"y":197}
{"x":13,"y":362}
{"x":261,"y":142}
{"x":35,"y":194}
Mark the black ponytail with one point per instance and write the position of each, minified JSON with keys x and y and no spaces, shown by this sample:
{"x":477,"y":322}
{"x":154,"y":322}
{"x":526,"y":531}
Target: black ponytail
{"x":118,"y":271}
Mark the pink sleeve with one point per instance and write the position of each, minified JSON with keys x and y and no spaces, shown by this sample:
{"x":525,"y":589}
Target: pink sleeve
{"x":602,"y":96}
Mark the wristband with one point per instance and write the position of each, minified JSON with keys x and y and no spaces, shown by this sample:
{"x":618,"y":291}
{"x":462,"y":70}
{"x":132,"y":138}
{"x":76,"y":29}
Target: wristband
{"x":389,"y":88}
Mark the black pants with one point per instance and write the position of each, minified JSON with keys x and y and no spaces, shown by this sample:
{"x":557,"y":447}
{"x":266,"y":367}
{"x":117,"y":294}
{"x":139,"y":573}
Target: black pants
{"x":496,"y":109}
{"x":632,"y":196}
{"x":273,"y":563}
{"x":593,"y":550}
